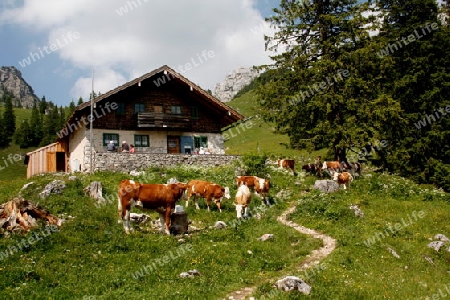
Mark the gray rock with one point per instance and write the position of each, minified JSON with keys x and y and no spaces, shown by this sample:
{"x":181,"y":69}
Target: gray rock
{"x":139,"y":218}
{"x":54,"y":187}
{"x":266,"y":237}
{"x":172,"y":180}
{"x":436,"y":245}
{"x":441,"y":237}
{"x":358,"y":212}
{"x":190,"y":274}
{"x":290,"y":283}
{"x":233,"y":83}
{"x":326,"y":186}
{"x":11,"y":80}
{"x":220,"y":225}
{"x":393,"y":252}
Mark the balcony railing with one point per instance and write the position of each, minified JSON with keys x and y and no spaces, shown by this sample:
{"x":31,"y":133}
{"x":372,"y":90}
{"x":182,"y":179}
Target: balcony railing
{"x":162,"y":120}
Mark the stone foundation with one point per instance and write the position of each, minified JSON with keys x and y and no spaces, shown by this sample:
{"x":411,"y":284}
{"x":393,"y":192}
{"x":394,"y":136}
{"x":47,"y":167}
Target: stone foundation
{"x":125,"y":162}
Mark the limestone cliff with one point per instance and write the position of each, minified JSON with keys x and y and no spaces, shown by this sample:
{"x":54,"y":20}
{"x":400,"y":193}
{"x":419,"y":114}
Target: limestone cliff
{"x":11,"y":80}
{"x":233,"y":83}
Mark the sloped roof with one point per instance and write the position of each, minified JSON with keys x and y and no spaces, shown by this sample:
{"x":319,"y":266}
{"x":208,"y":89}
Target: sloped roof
{"x":230,"y":114}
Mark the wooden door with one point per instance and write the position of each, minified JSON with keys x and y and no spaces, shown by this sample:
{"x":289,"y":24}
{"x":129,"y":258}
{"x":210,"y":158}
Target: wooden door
{"x":173,"y":144}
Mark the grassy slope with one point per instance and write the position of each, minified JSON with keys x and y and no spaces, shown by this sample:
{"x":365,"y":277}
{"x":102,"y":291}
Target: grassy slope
{"x":90,"y":256}
{"x":10,"y":167}
{"x":260,"y":137}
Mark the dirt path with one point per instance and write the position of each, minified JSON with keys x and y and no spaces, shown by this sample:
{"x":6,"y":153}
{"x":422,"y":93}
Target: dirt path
{"x":329,"y":244}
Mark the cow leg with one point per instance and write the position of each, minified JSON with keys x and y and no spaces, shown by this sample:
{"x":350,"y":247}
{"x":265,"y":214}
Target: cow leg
{"x":167,"y":217}
{"x":246,"y":212}
{"x":126,"y":221}
{"x":218,"y":205}
{"x":119,"y":210}
{"x":139,"y":204}
{"x":239,"y":211}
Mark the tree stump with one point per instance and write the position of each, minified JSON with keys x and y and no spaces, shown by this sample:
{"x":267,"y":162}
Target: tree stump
{"x":179,"y":223}
{"x":94,"y":189}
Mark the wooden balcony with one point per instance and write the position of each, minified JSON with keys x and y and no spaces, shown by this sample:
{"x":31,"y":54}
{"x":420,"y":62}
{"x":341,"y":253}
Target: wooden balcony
{"x":162,"y":120}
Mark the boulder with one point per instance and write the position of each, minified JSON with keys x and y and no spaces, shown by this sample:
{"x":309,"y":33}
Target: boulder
{"x":291,"y":283}
{"x":326,"y":186}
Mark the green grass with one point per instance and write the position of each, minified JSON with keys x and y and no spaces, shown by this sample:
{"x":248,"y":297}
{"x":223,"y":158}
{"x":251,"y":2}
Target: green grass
{"x":256,"y":136}
{"x":91,"y":256}
{"x":398,"y":215}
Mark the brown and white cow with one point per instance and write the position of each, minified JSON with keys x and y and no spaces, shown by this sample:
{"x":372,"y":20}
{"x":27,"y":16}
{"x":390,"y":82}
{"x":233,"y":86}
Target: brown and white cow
{"x":331,"y":167}
{"x":288,"y":164}
{"x":243,"y":198}
{"x":208,"y":190}
{"x":344,"y":178}
{"x":158,"y":197}
{"x":261,"y":186}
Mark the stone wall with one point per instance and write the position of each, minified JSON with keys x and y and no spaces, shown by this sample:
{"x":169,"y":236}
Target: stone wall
{"x":125,"y":162}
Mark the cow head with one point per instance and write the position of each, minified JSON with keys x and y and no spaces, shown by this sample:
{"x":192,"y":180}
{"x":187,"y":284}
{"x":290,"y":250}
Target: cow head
{"x":336,"y":175}
{"x":324,"y":166}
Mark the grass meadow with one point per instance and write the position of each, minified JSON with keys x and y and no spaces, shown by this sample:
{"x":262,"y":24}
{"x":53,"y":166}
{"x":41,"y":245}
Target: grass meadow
{"x":91,"y":258}
{"x":383,"y":255}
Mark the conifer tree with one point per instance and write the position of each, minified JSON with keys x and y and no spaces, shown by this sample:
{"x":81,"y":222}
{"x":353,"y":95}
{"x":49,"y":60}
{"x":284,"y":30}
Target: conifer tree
{"x":71,"y":109}
{"x":9,"y":118}
{"x":4,"y":139}
{"x":43,"y":105}
{"x":315,"y":90}
{"x":36,"y":125}
{"x":24,"y":135}
{"x":417,"y":69}
{"x":80,"y":101}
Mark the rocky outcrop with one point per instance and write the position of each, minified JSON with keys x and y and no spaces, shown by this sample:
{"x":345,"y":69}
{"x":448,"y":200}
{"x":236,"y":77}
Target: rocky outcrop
{"x":233,"y":83}
{"x":11,"y":80}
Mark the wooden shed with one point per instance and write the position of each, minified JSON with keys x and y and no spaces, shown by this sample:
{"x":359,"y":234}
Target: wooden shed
{"x":51,"y":158}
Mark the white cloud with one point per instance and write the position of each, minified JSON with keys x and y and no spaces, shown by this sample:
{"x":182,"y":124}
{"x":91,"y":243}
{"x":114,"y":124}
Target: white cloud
{"x":149,"y":35}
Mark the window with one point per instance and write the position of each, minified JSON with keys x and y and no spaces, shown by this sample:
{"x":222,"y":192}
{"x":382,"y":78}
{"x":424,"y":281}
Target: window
{"x":111,"y":137}
{"x":200,"y":141}
{"x":141,"y":141}
{"x":139,"y":107}
{"x":175,"y":110}
{"x":194,"y":112}
{"x":158,"y":109}
{"x":120,"y":111}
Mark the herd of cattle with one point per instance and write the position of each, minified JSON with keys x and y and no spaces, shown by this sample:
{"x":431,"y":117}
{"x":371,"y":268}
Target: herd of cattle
{"x":162,"y":198}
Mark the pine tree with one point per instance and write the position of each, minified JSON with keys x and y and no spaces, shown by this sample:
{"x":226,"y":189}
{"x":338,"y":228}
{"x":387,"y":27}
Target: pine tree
{"x":417,"y":70}
{"x":4,"y":139}
{"x":71,"y":108}
{"x":24,"y":135}
{"x":80,"y":101}
{"x":50,"y":125}
{"x":62,"y":119}
{"x":9,"y":118}
{"x":36,"y":125}
{"x":317,"y":90}
{"x":43,"y":105}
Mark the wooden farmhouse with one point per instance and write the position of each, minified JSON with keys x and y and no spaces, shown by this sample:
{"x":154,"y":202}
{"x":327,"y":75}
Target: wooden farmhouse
{"x":161,"y":112}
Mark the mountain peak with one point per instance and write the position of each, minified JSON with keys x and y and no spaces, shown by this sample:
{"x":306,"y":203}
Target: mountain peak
{"x":11,"y":80}
{"x":234,"y":82}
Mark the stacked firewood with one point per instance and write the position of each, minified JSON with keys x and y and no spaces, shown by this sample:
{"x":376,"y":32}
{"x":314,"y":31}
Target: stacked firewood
{"x":20,"y":215}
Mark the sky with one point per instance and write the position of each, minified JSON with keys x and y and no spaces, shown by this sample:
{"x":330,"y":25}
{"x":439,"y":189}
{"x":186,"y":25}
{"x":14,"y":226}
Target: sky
{"x":58,"y":45}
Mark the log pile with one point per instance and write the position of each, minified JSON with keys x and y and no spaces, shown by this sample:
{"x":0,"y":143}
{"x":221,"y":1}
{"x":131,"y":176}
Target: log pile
{"x":20,"y":215}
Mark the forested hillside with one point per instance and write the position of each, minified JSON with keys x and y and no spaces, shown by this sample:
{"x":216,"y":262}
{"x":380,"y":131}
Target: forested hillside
{"x":350,"y":74}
